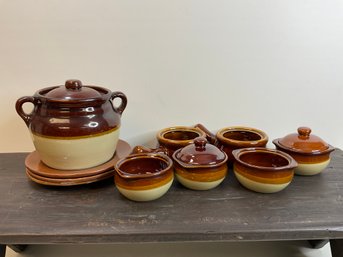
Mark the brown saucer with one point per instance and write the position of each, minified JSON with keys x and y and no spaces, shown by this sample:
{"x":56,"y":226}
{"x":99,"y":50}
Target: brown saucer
{"x":68,"y":181}
{"x":36,"y":167}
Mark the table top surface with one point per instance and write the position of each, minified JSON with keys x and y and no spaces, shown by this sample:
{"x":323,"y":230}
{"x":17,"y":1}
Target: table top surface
{"x":309,"y":208}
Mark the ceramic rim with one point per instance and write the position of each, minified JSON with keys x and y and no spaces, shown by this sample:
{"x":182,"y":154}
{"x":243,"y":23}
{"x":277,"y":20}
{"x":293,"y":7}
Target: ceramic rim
{"x":161,"y":134}
{"x":239,"y":152}
{"x":157,"y":156}
{"x":220,"y":135}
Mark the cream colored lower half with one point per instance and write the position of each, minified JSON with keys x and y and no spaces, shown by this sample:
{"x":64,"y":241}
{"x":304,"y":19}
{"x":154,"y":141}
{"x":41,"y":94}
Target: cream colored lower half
{"x":197,"y":185}
{"x":145,"y":195}
{"x":74,"y":154}
{"x":311,"y":169}
{"x":260,"y":187}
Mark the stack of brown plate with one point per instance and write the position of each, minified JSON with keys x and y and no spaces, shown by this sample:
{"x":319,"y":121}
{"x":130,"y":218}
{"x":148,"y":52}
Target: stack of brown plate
{"x":38,"y":172}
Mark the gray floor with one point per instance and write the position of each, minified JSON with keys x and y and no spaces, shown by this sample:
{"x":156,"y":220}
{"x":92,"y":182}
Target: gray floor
{"x":253,"y":249}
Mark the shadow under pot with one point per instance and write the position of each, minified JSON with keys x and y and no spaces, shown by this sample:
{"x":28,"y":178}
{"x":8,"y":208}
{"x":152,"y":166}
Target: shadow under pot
{"x":144,"y":176}
{"x":73,"y":126}
{"x":200,"y":166}
{"x":232,"y":138}
{"x":263,"y":170}
{"x":310,"y":151}
{"x":174,"y":138}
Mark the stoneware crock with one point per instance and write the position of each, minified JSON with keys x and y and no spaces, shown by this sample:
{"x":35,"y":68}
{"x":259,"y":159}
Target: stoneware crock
{"x":310,"y":151}
{"x":73,"y":126}
{"x":176,"y":137}
{"x":200,"y":166}
{"x":144,"y":176}
{"x":263,"y":170}
{"x":231,"y":138}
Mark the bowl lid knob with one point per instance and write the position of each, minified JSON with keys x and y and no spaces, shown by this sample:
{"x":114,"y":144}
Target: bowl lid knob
{"x":200,"y":144}
{"x":304,"y":132}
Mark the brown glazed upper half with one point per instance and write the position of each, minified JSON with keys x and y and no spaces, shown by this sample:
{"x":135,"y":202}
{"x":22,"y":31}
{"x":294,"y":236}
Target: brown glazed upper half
{"x":72,"y":110}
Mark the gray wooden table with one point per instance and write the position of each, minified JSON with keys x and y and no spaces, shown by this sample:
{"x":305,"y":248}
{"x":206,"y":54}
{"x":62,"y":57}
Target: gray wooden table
{"x":311,"y":208}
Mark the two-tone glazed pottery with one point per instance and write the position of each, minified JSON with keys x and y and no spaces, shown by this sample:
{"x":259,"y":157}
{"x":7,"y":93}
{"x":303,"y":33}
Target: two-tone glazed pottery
{"x":73,"y":126}
{"x":263,"y":170}
{"x":231,"y":138}
{"x":144,"y":176}
{"x":310,"y":151}
{"x":200,"y":166}
{"x":174,"y":138}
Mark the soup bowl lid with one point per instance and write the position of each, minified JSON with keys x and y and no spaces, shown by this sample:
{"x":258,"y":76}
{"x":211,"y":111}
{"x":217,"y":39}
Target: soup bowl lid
{"x":303,"y":142}
{"x":200,"y":154}
{"x":74,"y":92}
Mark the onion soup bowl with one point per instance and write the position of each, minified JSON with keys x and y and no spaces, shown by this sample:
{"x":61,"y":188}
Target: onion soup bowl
{"x":231,"y":138}
{"x":200,"y":166}
{"x":263,"y":170}
{"x":173,"y":138}
{"x":144,"y":176}
{"x":310,"y":151}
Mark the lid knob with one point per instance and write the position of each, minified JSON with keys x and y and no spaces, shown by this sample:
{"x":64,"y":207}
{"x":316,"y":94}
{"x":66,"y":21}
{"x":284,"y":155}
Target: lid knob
{"x":200,"y":143}
{"x":73,"y":84}
{"x":304,"y":132}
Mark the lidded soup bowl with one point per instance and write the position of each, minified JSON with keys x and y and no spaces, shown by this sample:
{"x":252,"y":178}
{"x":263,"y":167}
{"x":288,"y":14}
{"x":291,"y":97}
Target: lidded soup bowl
{"x":310,"y":151}
{"x":73,"y":126}
{"x":263,"y":170}
{"x":231,"y":138}
{"x":144,"y":176}
{"x":176,"y":137}
{"x":200,"y":166}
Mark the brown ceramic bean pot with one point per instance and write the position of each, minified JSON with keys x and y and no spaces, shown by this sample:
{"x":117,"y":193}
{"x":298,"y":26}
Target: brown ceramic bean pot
{"x":73,"y":126}
{"x":176,"y":137}
{"x":144,"y":176}
{"x":200,"y":166}
{"x":310,"y":151}
{"x":232,"y":138}
{"x":263,"y":170}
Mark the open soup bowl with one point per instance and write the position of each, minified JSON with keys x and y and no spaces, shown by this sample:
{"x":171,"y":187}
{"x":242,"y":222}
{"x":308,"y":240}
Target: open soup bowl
{"x":144,"y":176}
{"x":263,"y":170}
{"x":176,"y":137}
{"x":231,"y":138}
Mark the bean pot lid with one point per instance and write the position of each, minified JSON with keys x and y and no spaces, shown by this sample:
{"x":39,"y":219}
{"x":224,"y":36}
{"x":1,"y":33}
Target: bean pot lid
{"x":200,"y":153}
{"x":74,"y":91}
{"x":303,"y":142}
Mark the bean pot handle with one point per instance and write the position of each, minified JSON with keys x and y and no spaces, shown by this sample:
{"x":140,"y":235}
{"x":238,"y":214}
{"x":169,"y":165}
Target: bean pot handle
{"x":123,"y":103}
{"x":19,"y":108}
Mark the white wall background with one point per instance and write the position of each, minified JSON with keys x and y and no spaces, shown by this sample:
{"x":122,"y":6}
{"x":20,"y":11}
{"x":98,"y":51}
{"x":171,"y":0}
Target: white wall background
{"x":270,"y":64}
